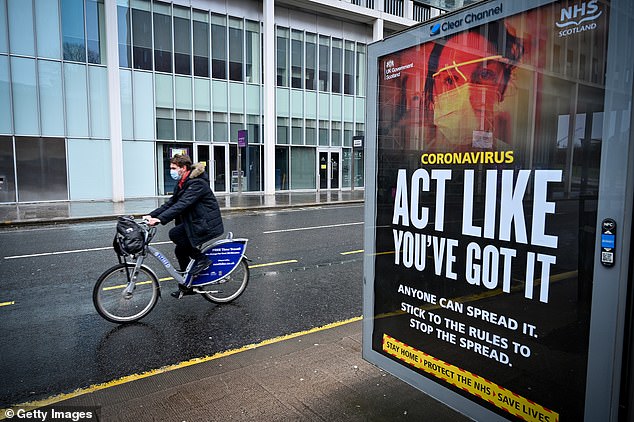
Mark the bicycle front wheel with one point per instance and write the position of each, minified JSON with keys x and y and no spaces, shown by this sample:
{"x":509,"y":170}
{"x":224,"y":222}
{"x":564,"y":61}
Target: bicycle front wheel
{"x":116,"y":303}
{"x":229,"y":287}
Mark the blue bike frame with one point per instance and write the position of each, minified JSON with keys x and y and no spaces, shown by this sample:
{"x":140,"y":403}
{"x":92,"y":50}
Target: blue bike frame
{"x":225,"y":255}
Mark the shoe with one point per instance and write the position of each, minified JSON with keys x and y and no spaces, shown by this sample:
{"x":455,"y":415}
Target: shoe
{"x":182,"y":291}
{"x":200,"y":265}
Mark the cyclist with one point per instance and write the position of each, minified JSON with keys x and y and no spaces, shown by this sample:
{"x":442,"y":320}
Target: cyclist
{"x":195,"y":209}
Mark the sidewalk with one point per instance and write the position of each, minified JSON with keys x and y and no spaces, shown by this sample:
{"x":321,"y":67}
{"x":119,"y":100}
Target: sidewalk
{"x":75,"y":211}
{"x":314,"y":376}
{"x":319,"y":376}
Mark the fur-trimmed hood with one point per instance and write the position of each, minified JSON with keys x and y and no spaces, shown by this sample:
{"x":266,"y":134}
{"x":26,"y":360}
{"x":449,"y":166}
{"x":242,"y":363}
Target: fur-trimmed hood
{"x":197,"y":170}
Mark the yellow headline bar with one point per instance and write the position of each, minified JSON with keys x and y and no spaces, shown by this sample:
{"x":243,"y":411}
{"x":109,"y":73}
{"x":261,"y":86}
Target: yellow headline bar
{"x":469,"y":382}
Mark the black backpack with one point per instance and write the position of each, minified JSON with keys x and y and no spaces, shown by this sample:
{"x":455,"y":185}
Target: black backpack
{"x":130,"y":236}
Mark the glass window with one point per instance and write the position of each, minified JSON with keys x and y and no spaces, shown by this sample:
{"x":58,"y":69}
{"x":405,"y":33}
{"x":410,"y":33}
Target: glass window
{"x":251,"y":162}
{"x":4,"y":42}
{"x":311,"y":132}
{"x":311,"y":60}
{"x":41,"y":168}
{"x":202,"y":89}
{"x":303,"y":162}
{"x":281,"y":168}
{"x":51,"y":97}
{"x":125,"y":38}
{"x":125,"y":91}
{"x":203,"y":126}
{"x":235,"y":50}
{"x":201,"y":43}
{"x":297,"y":132}
{"x":24,"y":83}
{"x":143,"y":92}
{"x":142,"y":35}
{"x":46,"y":28}
{"x":253,"y":52}
{"x":336,"y":134}
{"x":237,"y":123}
{"x":253,"y":128}
{"x":282,"y":57}
{"x":75,"y":80}
{"x":162,"y":38}
{"x":358,"y":166}
{"x":348,"y":69}
{"x":346,"y":167}
{"x":218,"y":47}
{"x":324,"y":62}
{"x":164,"y":91}
{"x":5,"y":96}
{"x":282,"y":130}
{"x":21,"y":34}
{"x":95,"y":31}
{"x":80,"y":186}
{"x":7,"y":193}
{"x":361,"y":69}
{"x":297,"y":59}
{"x":182,"y":41}
{"x":323,"y":133}
{"x":184,"y":130}
{"x":183,"y":90}
{"x":73,"y":37}
{"x":98,"y":82}
{"x":138,"y":160}
{"x":164,"y":123}
{"x":220,"y":128}
{"x":348,"y":130}
{"x":336,"y":64}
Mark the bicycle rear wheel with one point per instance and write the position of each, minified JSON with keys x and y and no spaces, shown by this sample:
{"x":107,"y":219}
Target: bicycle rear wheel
{"x":228,"y":288}
{"x":112,"y":301}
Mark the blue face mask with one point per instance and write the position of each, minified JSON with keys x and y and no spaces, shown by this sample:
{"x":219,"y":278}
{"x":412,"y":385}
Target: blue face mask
{"x":174,"y":174}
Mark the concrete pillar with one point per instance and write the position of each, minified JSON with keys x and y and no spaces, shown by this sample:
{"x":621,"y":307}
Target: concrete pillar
{"x":377,"y":30}
{"x":114,"y":102}
{"x":268,"y":102}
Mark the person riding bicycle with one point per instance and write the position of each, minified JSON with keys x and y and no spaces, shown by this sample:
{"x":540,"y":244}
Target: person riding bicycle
{"x":195,"y":209}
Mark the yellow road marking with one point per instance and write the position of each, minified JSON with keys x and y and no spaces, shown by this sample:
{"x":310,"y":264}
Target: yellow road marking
{"x":361,"y":251}
{"x":123,"y":286}
{"x":351,"y":252}
{"x":129,"y":378}
{"x":290,"y":261}
{"x":7,"y":303}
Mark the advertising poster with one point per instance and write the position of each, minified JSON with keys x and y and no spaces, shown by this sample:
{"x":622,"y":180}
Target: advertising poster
{"x":488,"y":155}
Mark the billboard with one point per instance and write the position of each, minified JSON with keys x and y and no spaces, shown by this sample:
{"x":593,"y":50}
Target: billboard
{"x":488,"y":145}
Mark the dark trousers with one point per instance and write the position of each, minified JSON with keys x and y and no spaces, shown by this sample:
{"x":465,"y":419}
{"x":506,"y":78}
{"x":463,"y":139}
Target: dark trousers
{"x":184,"y":249}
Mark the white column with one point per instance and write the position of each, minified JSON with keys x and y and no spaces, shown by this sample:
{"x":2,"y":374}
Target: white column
{"x":268,"y":102}
{"x":114,"y":102}
{"x":408,"y":13}
{"x":377,"y":30}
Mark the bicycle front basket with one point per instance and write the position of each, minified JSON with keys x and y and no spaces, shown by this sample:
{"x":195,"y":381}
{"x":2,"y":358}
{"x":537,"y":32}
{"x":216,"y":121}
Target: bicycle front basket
{"x":130,"y":236}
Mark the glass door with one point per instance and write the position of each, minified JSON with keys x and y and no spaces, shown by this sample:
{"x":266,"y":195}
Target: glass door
{"x":203,"y":156}
{"x":329,"y":169}
{"x":220,"y":167}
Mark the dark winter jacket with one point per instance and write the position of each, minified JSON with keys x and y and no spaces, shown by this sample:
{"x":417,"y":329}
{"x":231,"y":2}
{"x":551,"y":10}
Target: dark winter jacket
{"x":195,"y":205}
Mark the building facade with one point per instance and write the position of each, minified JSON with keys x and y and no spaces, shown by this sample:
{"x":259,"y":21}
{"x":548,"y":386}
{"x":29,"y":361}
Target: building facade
{"x":97,"y":95}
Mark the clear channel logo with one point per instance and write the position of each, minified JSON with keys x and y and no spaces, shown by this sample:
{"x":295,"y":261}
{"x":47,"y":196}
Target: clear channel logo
{"x":467,"y":20}
{"x":578,"y":18}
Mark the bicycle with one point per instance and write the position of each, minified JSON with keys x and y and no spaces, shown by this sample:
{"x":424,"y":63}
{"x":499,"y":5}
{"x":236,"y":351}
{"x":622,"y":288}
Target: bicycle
{"x":128,"y":291}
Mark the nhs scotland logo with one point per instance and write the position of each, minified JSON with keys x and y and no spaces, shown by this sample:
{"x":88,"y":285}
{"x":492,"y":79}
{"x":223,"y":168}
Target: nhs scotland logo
{"x":578,"y":18}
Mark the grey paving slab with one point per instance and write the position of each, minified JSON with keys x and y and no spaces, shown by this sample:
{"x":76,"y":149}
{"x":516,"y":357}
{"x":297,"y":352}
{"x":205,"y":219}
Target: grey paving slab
{"x":319,"y":376}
